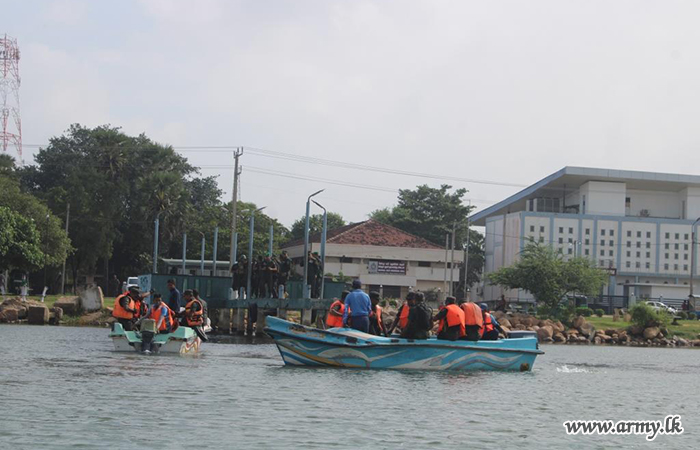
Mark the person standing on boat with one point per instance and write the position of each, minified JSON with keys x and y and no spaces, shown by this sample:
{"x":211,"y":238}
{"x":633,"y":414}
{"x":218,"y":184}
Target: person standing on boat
{"x":402,"y":314}
{"x":473,"y":320}
{"x":359,"y":306}
{"x":205,"y":315}
{"x":491,"y":325}
{"x":335,"y":314}
{"x":175,"y":300}
{"x":376,"y":324}
{"x":451,"y":319}
{"x":419,"y":319}
{"x":124,"y":310}
{"x":192,"y":316}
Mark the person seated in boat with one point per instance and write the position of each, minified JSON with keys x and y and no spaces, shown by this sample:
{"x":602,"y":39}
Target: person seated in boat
{"x":205,"y":315}
{"x":335,"y":314}
{"x":491,"y":326}
{"x":192,"y":316}
{"x":357,"y":308}
{"x":402,"y":314}
{"x":451,"y":319}
{"x":419,"y":319}
{"x":473,"y":320}
{"x":125,"y":309}
{"x":376,"y":324}
{"x":163,"y":315}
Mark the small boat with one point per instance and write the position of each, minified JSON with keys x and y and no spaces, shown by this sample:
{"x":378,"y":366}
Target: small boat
{"x":300,"y":345}
{"x":182,"y":341}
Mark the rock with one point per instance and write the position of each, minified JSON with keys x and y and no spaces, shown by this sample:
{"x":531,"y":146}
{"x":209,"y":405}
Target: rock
{"x":38,"y":315}
{"x":627,"y":317}
{"x":597,"y":340}
{"x":69,"y":305}
{"x":558,"y":326}
{"x":8,"y":315}
{"x":55,"y":315}
{"x":548,"y":340}
{"x":506,"y":329}
{"x":91,"y":299}
{"x":579,"y":321}
{"x":505,"y":323}
{"x":559,"y":338}
{"x":520,"y":327}
{"x":544,"y":333}
{"x":695,"y":342}
{"x":664,"y":331}
{"x":499,"y":315}
{"x":622,"y":335}
{"x":651,"y":332}
{"x":636,"y":330}
{"x":534,"y":328}
{"x":607,"y":339}
{"x":587,"y":330}
{"x":610,"y":332}
{"x":573,"y":331}
{"x":683,"y":342}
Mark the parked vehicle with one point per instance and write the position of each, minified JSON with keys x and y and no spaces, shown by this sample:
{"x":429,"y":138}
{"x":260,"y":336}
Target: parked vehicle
{"x":132,"y":281}
{"x":659,"y":306}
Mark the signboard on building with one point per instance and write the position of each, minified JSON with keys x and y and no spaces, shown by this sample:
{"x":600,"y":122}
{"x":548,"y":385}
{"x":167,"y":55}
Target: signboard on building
{"x":392,"y":267}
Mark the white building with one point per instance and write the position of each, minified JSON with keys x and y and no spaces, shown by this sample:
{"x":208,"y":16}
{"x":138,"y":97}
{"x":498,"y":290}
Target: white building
{"x":382,"y":257}
{"x":635,"y":224}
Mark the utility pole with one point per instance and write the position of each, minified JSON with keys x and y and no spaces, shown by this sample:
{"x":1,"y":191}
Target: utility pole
{"x":46,"y":249}
{"x":447,"y":248}
{"x":63,"y":272}
{"x":466,"y":261}
{"x":452,"y":258}
{"x":693,"y":258}
{"x":234,"y":203}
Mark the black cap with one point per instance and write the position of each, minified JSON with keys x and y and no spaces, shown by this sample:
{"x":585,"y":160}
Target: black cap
{"x":374,"y":294}
{"x":356,"y":284}
{"x":134,"y":289}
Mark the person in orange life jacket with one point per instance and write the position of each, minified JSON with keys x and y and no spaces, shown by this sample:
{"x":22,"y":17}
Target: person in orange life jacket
{"x":205,"y":315}
{"x":124,"y":310}
{"x":335,"y":314}
{"x":161,"y":313}
{"x":376,"y":324}
{"x":451,"y":319}
{"x":491,"y":325}
{"x":192,"y":315}
{"x":402,"y":314}
{"x":473,"y":320}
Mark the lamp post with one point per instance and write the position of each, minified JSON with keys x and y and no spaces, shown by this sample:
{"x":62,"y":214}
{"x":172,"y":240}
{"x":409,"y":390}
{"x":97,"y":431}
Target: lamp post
{"x":201,"y":262}
{"x":306,"y":245}
{"x":324,"y":233}
{"x":693,"y":256}
{"x":155,"y":243}
{"x":249,"y":285}
{"x":46,"y":247}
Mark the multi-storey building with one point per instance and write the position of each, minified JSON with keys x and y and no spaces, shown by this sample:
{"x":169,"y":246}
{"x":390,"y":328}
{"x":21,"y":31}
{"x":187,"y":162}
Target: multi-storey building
{"x":637,"y":225}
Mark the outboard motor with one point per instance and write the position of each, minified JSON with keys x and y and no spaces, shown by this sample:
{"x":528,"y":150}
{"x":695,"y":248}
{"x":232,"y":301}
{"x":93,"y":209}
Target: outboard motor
{"x":148,"y":332}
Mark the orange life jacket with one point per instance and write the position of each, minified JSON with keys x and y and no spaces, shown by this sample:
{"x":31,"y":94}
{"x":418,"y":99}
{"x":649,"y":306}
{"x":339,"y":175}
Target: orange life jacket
{"x":488,"y":324}
{"x":155,"y":313}
{"x":472,"y":314}
{"x":335,"y":321}
{"x":194,"y":318}
{"x":455,"y":316}
{"x":139,"y":307}
{"x":403,"y":317}
{"x":119,"y":312}
{"x":378,"y":313}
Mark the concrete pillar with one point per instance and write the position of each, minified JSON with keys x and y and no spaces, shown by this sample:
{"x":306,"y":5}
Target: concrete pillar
{"x":239,"y":320}
{"x":282,"y":313}
{"x":260,"y":323}
{"x":306,"y":317}
{"x":223,"y":320}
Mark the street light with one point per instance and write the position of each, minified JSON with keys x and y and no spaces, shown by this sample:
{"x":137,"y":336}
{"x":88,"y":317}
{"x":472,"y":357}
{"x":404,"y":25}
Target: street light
{"x":46,"y":247}
{"x":249,"y":285}
{"x":324,"y":233}
{"x":155,"y":242}
{"x":306,"y":245}
{"x":693,"y":251}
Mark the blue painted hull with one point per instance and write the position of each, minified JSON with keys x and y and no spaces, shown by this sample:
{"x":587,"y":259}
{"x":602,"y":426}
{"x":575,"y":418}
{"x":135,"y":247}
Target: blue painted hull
{"x":341,"y":347}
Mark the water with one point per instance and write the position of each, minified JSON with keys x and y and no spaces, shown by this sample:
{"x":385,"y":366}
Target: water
{"x":64,"y":388}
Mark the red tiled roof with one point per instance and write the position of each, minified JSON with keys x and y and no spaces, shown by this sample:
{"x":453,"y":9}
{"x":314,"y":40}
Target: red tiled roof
{"x":369,"y":232}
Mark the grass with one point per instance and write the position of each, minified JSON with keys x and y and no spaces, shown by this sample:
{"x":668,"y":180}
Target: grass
{"x":51,"y":299}
{"x":687,"y":329}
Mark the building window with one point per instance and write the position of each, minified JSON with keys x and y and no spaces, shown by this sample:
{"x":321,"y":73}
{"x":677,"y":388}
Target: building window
{"x":612,"y":243}
{"x":422,"y":264}
{"x":602,"y":253}
{"x":675,"y":256}
{"x":639,"y":244}
{"x":685,"y":236}
{"x":571,"y":230}
{"x":561,"y":241}
{"x":665,"y":255}
{"x":570,"y":252}
{"x":636,"y":265}
{"x":345,"y":259}
{"x":532,"y":228}
{"x":648,"y":244}
{"x":648,"y":234}
{"x":586,"y":252}
{"x":628,"y":264}
{"x":571,"y":240}
{"x":541,"y":228}
{"x":639,"y":234}
{"x":675,"y":267}
{"x":602,"y":242}
{"x":638,"y":254}
{"x":678,"y":236}
{"x":602,"y":232}
{"x":648,"y":265}
{"x":588,"y":231}
{"x":675,"y":246}
{"x":612,"y":232}
{"x":665,"y":266}
{"x":685,"y":267}
{"x":685,"y":246}
{"x":601,"y":263}
{"x":541,"y":239}
{"x":668,"y":235}
{"x":648,"y":254}
{"x":629,"y":233}
{"x":588,"y":241}
{"x":666,"y":246}
{"x":610,"y":252}
{"x":629,"y":243}
{"x":685,"y":256}
{"x":561,"y":230}
{"x":629,"y":253}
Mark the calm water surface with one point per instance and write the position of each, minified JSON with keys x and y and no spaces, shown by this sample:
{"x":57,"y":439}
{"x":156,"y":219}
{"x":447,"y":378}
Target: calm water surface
{"x":64,"y":388}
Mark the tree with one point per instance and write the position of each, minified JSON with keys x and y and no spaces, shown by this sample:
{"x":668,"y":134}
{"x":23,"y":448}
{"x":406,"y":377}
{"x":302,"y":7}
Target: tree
{"x":334,"y":220}
{"x":20,"y":242}
{"x":544,"y":273}
{"x":431,"y":213}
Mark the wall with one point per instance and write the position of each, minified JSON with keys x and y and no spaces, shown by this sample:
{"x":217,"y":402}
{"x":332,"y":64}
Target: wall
{"x":658,"y":203}
{"x":604,"y":198}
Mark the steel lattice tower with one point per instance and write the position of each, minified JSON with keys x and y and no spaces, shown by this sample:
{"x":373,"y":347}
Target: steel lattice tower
{"x":11,"y":132}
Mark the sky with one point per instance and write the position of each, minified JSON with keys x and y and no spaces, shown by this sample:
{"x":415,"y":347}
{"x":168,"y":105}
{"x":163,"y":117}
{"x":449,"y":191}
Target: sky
{"x":497,"y":93}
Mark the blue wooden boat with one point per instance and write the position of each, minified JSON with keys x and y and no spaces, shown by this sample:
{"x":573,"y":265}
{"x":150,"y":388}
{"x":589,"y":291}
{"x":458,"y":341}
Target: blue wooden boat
{"x":343,"y":347}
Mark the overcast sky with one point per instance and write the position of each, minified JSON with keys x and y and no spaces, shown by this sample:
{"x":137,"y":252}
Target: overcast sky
{"x":502,"y":91}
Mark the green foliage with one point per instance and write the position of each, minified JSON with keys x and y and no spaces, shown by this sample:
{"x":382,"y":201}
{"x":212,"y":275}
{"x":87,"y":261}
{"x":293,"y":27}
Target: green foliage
{"x":393,"y":303}
{"x":548,"y":277}
{"x":645,"y":316}
{"x":340,"y":278}
{"x":334,"y":220}
{"x":584,"y":311}
{"x":431,"y":213}
{"x":562,"y":311}
{"x":599,"y":312}
{"x":20,"y":242}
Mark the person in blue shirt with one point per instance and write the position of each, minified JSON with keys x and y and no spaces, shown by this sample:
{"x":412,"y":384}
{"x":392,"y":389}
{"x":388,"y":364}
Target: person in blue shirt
{"x":175,"y":300}
{"x":359,"y":306}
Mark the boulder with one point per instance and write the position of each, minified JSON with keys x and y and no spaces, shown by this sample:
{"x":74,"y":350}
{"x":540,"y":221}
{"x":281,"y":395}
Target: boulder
{"x":38,"y":315}
{"x":521,"y":327}
{"x":573,"y":331}
{"x":505,"y":323}
{"x":597,"y":340}
{"x":695,"y":342}
{"x":544,"y":333}
{"x":55,"y":315}
{"x":651,"y":332}
{"x":683,"y":342}
{"x":627,"y":317}
{"x":587,"y":330}
{"x":91,"y":299}
{"x":622,"y":335}
{"x":636,"y":330}
{"x":69,"y":305}
{"x":579,"y":321}
{"x":559,"y":338}
{"x":506,"y":329}
{"x":610,"y":332}
{"x":558,"y":326}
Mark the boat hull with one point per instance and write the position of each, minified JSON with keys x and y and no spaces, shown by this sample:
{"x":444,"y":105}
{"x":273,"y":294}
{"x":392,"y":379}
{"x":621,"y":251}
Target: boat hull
{"x":184,"y":341}
{"x":306,"y":346}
